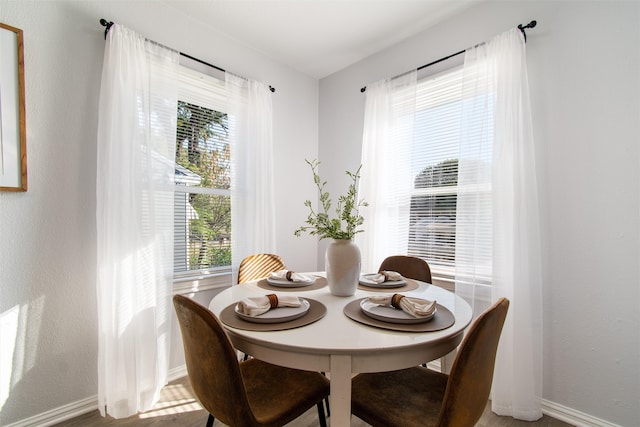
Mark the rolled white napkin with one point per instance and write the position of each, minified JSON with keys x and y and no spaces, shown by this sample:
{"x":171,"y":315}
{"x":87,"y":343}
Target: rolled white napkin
{"x":255,"y":306}
{"x":385,"y":276}
{"x":417,"y":307}
{"x":290,"y":276}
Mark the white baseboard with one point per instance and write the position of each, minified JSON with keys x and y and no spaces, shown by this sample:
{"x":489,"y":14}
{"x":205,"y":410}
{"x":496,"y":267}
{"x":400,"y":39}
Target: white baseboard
{"x":71,"y":410}
{"x":79,"y":407}
{"x":573,"y":417}
{"x":175,"y":373}
{"x":60,"y":414}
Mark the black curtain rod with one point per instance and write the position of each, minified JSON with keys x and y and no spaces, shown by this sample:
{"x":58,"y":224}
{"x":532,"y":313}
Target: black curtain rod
{"x":108,"y":24}
{"x":521,"y":27}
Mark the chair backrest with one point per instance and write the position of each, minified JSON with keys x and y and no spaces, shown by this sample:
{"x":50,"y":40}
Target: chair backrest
{"x":212,"y":366}
{"x":471,"y":375}
{"x":259,"y":266}
{"x":409,"y":266}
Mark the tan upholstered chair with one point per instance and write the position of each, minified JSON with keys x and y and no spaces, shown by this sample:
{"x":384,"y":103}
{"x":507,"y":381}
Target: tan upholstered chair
{"x":259,"y":266}
{"x":251,"y":393}
{"x":409,"y":266}
{"x":422,"y":397}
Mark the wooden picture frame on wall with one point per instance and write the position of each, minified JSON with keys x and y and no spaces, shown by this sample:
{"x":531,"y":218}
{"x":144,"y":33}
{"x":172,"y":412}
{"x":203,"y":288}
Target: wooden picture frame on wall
{"x":13,"y":133}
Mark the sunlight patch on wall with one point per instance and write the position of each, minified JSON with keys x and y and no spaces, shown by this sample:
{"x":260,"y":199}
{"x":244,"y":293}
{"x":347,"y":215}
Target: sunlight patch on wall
{"x":19,"y":335}
{"x":8,"y":333}
{"x":26,"y":348}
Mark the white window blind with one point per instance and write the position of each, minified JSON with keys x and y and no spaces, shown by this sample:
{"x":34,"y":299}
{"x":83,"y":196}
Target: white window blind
{"x":202,"y":225}
{"x":434,"y":159}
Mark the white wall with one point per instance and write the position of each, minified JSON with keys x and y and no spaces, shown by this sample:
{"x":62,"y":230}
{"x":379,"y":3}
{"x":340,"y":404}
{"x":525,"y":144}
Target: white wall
{"x":48,"y":322}
{"x":584,"y":72}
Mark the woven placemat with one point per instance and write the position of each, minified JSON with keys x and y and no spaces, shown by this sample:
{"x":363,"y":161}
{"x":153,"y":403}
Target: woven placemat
{"x":317,"y":310}
{"x":320,"y":282}
{"x":409,"y":286}
{"x":442,"y":319}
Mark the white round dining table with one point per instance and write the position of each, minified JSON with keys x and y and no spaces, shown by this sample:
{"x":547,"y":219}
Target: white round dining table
{"x":341,"y":346}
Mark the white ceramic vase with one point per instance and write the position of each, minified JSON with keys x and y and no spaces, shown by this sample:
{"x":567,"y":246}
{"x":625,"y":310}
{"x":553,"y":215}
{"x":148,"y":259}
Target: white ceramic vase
{"x":342,"y":264}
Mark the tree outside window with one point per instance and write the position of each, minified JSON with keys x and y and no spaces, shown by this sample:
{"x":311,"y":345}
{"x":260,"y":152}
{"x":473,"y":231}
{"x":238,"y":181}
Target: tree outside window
{"x":203,"y":202}
{"x":432,"y":231}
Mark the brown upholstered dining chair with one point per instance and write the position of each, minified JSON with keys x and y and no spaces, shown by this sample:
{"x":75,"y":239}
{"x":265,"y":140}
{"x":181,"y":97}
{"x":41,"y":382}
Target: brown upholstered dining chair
{"x":409,"y":266}
{"x":259,"y":266}
{"x":422,"y":397}
{"x":251,"y":393}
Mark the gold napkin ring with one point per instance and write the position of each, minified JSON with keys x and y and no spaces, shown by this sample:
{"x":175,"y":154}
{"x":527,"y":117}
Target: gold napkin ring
{"x":273,"y":300}
{"x":395,"y":301}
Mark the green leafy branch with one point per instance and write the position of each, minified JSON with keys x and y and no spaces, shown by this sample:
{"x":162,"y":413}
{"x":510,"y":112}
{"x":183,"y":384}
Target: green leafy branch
{"x":345,"y":225}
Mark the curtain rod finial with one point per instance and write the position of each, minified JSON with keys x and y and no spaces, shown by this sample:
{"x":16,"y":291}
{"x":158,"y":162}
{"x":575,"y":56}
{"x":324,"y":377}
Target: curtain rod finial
{"x":531,"y":24}
{"x":107,"y":25}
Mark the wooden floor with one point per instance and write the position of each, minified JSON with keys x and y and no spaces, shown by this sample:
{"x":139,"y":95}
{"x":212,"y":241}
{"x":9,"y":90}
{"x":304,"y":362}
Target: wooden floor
{"x":178,"y":407}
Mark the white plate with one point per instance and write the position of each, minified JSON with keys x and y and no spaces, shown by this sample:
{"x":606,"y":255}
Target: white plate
{"x":390,"y":314}
{"x":277,"y":315}
{"x":283,"y":283}
{"x":365,"y":279}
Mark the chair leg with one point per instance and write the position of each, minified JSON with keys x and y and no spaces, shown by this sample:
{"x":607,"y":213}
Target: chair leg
{"x":323,"y":421}
{"x":210,"y":421}
{"x":326,"y":400}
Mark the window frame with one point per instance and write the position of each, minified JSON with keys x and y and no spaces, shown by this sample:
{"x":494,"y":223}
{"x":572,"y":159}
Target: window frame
{"x":196,"y":80}
{"x":446,"y":275}
{"x":443,"y":275}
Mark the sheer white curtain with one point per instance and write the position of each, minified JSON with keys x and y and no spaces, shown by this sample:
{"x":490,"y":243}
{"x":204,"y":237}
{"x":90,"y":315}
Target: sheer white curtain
{"x":252,"y":189}
{"x":497,"y":154}
{"x":386,"y":180}
{"x":135,"y":178}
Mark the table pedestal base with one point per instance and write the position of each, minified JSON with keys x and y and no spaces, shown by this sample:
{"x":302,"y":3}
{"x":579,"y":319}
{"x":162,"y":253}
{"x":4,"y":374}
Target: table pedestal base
{"x":340,"y":398}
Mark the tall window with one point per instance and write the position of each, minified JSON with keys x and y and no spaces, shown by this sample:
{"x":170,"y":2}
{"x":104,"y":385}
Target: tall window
{"x":202,"y":231}
{"x":434,"y":159}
